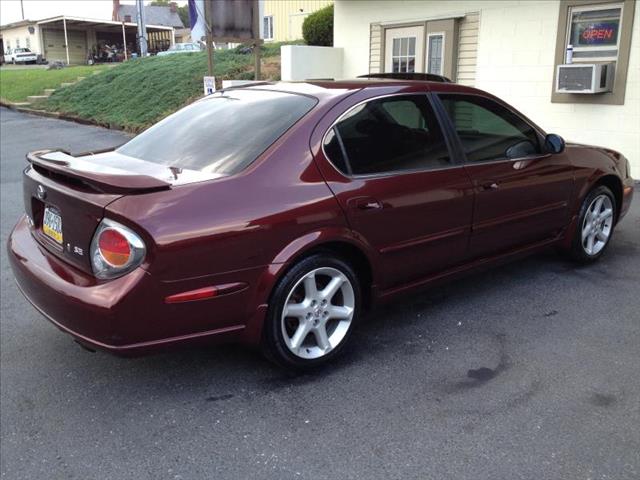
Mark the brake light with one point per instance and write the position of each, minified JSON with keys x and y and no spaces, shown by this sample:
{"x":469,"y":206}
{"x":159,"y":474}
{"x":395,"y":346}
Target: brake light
{"x":114,"y":247}
{"x":115,"y":250}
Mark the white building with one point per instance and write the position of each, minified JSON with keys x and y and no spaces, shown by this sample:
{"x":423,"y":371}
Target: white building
{"x":511,"y":49}
{"x":70,"y":39}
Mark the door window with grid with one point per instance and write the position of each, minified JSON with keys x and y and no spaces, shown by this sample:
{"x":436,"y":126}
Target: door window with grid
{"x":404,"y":55}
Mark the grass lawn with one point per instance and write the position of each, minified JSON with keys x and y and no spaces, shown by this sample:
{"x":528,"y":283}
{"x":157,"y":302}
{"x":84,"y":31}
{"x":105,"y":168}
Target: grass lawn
{"x":138,"y":93}
{"x":16,"y":85}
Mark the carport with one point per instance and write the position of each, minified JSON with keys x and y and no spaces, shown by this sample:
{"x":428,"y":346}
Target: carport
{"x":69,"y":39}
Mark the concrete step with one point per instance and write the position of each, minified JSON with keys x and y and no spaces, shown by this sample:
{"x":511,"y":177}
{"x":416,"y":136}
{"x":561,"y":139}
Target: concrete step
{"x":79,"y":79}
{"x":67,"y":84}
{"x":49,"y":91}
{"x":35,"y":98}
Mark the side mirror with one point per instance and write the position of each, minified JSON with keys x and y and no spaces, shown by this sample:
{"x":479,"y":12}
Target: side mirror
{"x":554,"y":143}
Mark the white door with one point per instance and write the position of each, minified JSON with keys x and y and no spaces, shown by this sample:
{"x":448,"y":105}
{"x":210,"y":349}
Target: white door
{"x":403,"y":50}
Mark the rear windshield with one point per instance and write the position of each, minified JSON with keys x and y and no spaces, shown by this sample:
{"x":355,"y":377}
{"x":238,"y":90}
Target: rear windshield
{"x":221,"y":134}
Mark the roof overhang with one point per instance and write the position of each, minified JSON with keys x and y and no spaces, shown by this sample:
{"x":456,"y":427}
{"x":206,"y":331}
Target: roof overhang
{"x":95,"y":23}
{"x":21,"y":23}
{"x":421,"y":19}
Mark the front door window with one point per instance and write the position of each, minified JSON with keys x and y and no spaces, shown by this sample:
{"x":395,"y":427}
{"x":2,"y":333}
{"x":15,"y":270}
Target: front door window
{"x":404,"y":49}
{"x":488,"y":131}
{"x":404,"y":55}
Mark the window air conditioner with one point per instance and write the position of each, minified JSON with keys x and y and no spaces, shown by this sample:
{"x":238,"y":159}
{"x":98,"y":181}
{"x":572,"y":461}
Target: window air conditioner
{"x":584,"y":78}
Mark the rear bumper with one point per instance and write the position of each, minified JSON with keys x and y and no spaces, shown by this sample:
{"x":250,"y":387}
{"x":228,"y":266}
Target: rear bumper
{"x":125,"y":316}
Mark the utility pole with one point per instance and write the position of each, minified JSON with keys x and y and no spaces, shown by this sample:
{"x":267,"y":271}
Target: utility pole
{"x":257,"y":20}
{"x":22,"y":8}
{"x":208,"y":9}
{"x":142,"y":28}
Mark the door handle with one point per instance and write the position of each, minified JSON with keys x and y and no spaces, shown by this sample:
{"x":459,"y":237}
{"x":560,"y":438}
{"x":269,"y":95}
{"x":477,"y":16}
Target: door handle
{"x":489,"y":186}
{"x":369,"y":205}
{"x":365,"y":203}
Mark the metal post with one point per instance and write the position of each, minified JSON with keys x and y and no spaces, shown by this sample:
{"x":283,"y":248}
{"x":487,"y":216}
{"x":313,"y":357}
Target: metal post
{"x":207,"y":16}
{"x":142,"y":28}
{"x":256,"y":53}
{"x":124,"y":41}
{"x":66,"y":41}
{"x":257,"y":22}
{"x":22,"y":8}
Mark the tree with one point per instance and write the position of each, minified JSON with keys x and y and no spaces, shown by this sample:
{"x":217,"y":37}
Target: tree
{"x":160,"y":3}
{"x":183,"y":11}
{"x":317,"y":28}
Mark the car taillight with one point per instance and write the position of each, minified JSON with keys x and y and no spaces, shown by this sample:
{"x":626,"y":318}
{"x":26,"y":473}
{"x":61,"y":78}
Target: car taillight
{"x":115,"y":250}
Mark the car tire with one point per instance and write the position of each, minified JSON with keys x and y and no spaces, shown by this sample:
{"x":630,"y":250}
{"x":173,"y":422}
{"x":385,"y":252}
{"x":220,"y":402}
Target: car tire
{"x":298,"y":313}
{"x":596,"y":222}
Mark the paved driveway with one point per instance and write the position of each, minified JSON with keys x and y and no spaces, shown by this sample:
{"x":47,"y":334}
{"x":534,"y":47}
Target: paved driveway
{"x":530,"y":371}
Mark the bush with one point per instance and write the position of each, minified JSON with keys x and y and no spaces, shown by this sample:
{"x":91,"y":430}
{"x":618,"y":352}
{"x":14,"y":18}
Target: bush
{"x":317,"y":28}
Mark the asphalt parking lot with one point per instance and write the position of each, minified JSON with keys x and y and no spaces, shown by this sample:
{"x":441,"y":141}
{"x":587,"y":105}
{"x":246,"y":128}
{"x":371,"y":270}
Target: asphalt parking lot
{"x":529,"y":371}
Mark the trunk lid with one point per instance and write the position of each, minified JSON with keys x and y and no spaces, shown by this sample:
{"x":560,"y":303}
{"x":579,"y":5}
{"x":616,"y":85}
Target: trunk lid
{"x":65,"y":196}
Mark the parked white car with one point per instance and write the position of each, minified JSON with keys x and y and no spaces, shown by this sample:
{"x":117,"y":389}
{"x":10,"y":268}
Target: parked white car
{"x":20,"y":55}
{"x":181,"y":48}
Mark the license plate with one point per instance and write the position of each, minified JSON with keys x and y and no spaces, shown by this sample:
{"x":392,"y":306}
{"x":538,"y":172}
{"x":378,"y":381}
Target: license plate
{"x":52,"y":224}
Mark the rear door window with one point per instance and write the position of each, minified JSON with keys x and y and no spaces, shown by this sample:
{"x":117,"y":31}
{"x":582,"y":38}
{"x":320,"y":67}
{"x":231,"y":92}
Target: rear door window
{"x":488,"y":131}
{"x":390,"y":134}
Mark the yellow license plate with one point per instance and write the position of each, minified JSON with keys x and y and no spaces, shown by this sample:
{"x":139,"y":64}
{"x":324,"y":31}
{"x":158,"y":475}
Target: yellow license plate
{"x":52,"y":224}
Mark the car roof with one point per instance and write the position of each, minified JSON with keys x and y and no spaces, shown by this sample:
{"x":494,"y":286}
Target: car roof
{"x":324,"y":88}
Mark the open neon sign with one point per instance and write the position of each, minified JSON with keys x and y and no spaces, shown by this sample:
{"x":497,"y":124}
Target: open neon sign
{"x":599,"y":34}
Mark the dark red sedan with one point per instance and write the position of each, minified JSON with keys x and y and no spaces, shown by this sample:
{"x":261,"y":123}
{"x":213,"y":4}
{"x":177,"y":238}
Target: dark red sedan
{"x":276,"y":214}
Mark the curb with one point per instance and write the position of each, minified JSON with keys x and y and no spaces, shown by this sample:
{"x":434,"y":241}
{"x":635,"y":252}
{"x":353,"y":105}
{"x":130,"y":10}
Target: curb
{"x":61,"y":116}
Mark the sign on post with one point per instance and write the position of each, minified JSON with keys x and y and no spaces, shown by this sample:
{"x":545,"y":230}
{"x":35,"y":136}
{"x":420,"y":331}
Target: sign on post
{"x":209,"y":85}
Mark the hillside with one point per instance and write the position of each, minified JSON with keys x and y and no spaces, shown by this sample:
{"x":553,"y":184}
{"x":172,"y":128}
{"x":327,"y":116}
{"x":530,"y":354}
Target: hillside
{"x":140,"y":92}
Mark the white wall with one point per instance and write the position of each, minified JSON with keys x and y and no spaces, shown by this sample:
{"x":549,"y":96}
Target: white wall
{"x":22,"y":33}
{"x":302,"y":62}
{"x":516,"y":48}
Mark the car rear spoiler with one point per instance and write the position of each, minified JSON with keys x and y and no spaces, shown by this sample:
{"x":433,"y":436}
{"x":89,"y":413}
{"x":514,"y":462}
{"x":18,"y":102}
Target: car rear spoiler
{"x":102,"y":178}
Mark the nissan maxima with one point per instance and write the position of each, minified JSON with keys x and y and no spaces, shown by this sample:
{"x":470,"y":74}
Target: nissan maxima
{"x":276,"y":214}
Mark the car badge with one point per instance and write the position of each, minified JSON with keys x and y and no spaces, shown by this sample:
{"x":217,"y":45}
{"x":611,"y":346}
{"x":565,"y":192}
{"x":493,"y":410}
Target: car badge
{"x":41,"y":192}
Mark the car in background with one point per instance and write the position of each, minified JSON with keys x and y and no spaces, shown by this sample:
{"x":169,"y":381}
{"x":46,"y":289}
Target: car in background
{"x":181,"y":48}
{"x":276,"y":214}
{"x":21,"y":55}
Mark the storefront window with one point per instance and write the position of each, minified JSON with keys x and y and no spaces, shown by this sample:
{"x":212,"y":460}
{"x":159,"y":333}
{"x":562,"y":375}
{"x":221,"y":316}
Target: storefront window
{"x":594,"y":32}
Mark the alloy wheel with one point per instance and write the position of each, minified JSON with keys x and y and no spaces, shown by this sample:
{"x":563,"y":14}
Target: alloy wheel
{"x":318,"y":313}
{"x":597,"y":225}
